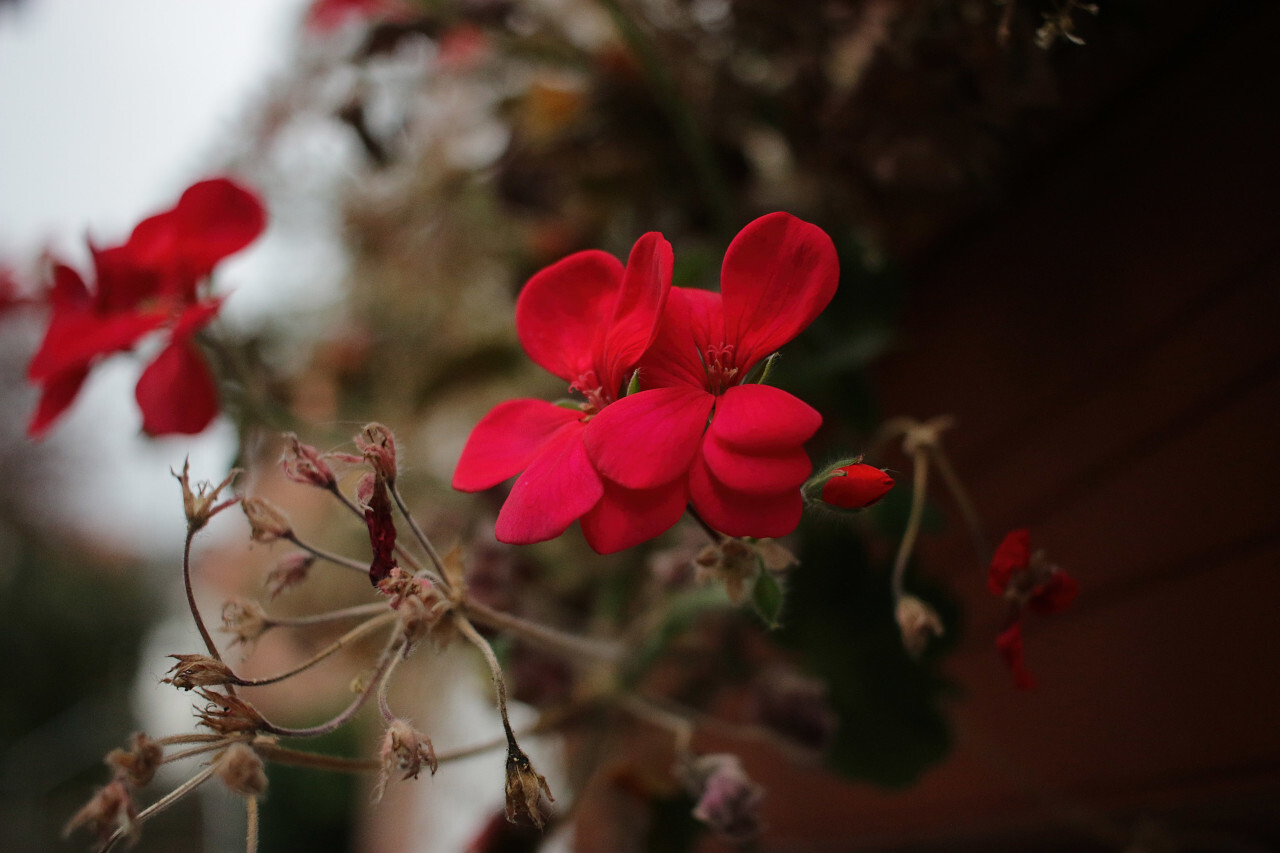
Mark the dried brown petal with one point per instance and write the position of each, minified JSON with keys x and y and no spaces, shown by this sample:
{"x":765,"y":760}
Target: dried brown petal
{"x":266,"y":523}
{"x":404,"y":750}
{"x":198,"y":671}
{"x":525,"y":787}
{"x":139,"y":762}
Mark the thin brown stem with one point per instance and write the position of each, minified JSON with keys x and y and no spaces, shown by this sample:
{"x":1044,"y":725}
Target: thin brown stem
{"x":919,"y":485}
{"x":173,"y":740}
{"x":251,"y":832}
{"x":191,"y":603}
{"x":200,"y":750}
{"x":716,"y":536}
{"x":336,"y":559}
{"x":680,"y":726}
{"x":316,"y":761}
{"x":495,"y":669}
{"x":333,"y":648}
{"x":550,"y":639}
{"x":420,"y":535}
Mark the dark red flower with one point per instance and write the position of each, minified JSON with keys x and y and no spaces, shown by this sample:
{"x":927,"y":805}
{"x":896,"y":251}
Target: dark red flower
{"x":1027,"y":581}
{"x":588,"y":320}
{"x":856,"y":486}
{"x":148,"y":283}
{"x":738,"y":445}
{"x":326,"y":15}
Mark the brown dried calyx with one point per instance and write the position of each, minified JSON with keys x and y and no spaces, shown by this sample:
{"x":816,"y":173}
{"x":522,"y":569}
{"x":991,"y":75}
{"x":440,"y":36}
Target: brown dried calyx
{"x":192,"y":671}
{"x":138,"y":763}
{"x":525,"y":787}
{"x":241,"y":770}
{"x":404,"y":750}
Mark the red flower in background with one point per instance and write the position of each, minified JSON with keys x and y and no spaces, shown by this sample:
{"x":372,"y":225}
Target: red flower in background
{"x":148,"y":283}
{"x":587,"y":320}
{"x":326,"y":15}
{"x":739,"y":447}
{"x":1028,"y":582}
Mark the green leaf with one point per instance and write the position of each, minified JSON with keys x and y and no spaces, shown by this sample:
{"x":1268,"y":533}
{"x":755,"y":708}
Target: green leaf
{"x":768,"y":598}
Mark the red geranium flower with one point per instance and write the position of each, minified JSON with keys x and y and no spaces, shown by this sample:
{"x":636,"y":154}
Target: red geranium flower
{"x":740,"y":447}
{"x":148,"y":283}
{"x":1028,"y":582}
{"x":587,"y":320}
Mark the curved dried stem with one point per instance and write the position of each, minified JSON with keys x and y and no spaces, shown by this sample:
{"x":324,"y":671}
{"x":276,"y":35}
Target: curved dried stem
{"x":920,"y":482}
{"x":163,"y":803}
{"x":329,"y":556}
{"x":333,"y":648}
{"x":328,"y":616}
{"x":572,"y":646}
{"x":438,"y":575}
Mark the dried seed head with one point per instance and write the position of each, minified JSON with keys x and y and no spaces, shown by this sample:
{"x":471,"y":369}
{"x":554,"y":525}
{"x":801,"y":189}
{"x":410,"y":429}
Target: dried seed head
{"x":245,"y":619}
{"x":267,"y":524}
{"x":198,"y":671}
{"x":227,"y":715}
{"x":728,"y":801}
{"x":241,"y":770}
{"x":289,"y":572}
{"x":138,"y":763}
{"x":199,"y":505}
{"x":302,"y":463}
{"x":404,"y":750}
{"x":918,"y":623}
{"x":109,"y":810}
{"x":424,"y":612}
{"x":525,"y":787}
{"x":378,"y":447}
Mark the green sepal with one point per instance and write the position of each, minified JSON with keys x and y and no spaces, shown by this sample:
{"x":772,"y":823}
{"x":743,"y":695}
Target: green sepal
{"x":759,"y":374}
{"x":768,"y":598}
{"x":634,"y":385}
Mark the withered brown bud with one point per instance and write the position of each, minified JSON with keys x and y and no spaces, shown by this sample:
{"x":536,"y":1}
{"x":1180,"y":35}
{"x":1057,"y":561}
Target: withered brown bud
{"x":138,"y":763}
{"x":733,"y":562}
{"x":525,"y":787}
{"x":378,"y":447}
{"x":404,"y":750}
{"x":241,"y":770}
{"x":198,"y":671}
{"x":266,"y":523}
{"x":302,"y":463}
{"x":244,"y":618}
{"x":227,"y":715}
{"x":918,"y":623}
{"x":111,"y":809}
{"x":728,"y":801}
{"x":289,"y":572}
{"x":199,"y":505}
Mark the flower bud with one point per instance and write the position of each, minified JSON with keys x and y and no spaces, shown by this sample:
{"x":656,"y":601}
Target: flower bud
{"x":199,"y":504}
{"x":525,"y":787}
{"x":246,"y":619}
{"x":110,"y":809}
{"x":918,"y":623}
{"x":404,"y":750}
{"x":378,"y":446}
{"x":732,"y":561}
{"x":266,"y":523}
{"x":138,"y":763}
{"x":853,"y":485}
{"x":227,"y":715}
{"x":289,"y":572}
{"x":728,"y":800}
{"x":241,"y":770}
{"x":302,"y":463}
{"x":198,"y":671}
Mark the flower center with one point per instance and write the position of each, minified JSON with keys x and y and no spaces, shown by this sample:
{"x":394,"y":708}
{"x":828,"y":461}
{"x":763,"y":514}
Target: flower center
{"x":718,"y":362}
{"x":588,"y":385}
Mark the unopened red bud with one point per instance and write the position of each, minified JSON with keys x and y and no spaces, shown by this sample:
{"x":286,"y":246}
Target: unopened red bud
{"x":855,"y":486}
{"x":266,"y":523}
{"x":241,"y":770}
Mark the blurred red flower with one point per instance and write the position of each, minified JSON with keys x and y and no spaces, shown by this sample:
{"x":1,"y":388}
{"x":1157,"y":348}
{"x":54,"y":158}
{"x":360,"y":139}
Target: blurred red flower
{"x":1028,"y":582}
{"x":150,"y":282}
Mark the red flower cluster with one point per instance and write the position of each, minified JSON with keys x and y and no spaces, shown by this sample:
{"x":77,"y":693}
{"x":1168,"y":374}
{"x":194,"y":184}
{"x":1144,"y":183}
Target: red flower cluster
{"x":698,"y":432}
{"x":149,"y":283}
{"x":1028,"y":582}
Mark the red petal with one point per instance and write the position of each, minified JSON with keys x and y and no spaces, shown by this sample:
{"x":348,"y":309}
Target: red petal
{"x":626,"y":517}
{"x":177,"y":393}
{"x":506,"y":440}
{"x":778,"y":275}
{"x":649,"y":438}
{"x":557,"y":488}
{"x":756,"y":473}
{"x":560,"y":313}
{"x":1013,"y":555}
{"x":213,"y":219}
{"x":640,"y":300}
{"x":856,"y":486}
{"x":195,"y":317}
{"x":74,"y":339}
{"x":55,"y":398}
{"x":1009,"y":644}
{"x":689,"y":322}
{"x":736,"y":513}
{"x":763,"y":419}
{"x":68,"y":291}
{"x":1055,"y":594}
